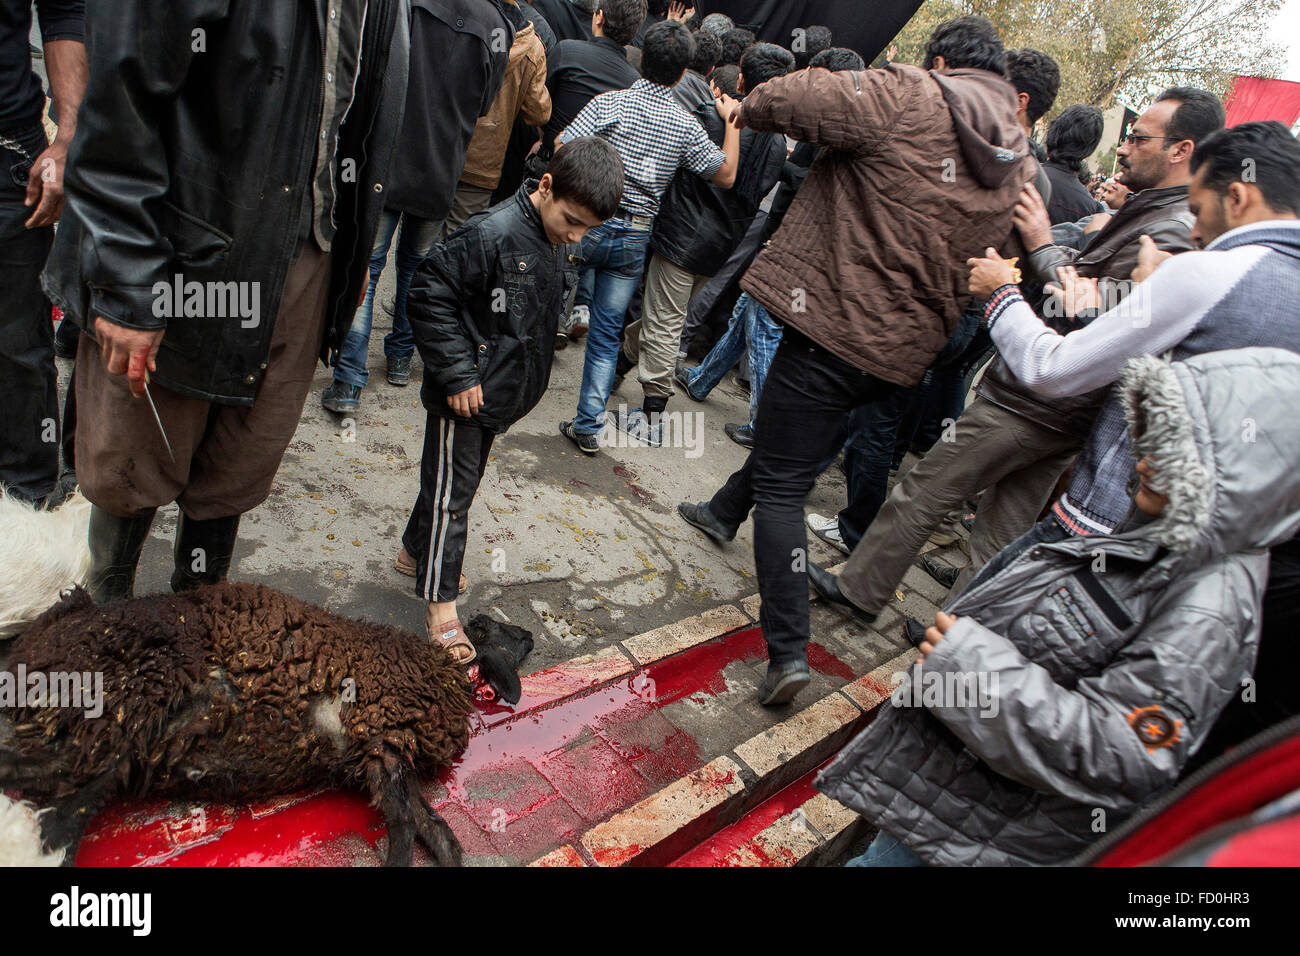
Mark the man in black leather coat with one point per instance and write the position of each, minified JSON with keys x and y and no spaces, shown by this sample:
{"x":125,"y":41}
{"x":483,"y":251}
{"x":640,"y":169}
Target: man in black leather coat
{"x":223,"y":189}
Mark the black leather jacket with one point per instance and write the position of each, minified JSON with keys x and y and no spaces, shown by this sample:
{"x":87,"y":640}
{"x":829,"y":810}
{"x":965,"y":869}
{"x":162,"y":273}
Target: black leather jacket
{"x":699,"y":224}
{"x":196,"y":162}
{"x":485,"y":306}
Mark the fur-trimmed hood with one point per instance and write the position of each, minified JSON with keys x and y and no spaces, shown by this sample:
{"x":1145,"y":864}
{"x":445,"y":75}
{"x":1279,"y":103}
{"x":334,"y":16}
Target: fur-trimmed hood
{"x":1221,"y":431}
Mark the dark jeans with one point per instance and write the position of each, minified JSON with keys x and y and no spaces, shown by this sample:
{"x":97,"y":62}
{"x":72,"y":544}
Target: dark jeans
{"x":1047,"y":531}
{"x":805,"y":398}
{"x":877,"y":432}
{"x":29,"y":427}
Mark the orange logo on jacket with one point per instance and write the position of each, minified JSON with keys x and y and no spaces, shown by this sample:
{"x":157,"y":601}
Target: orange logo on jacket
{"x":1154,"y":727}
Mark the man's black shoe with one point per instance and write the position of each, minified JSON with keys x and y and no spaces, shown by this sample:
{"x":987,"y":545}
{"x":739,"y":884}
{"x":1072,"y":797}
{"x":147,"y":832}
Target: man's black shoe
{"x":701,"y":517}
{"x":587,"y":444}
{"x":341,"y":398}
{"x":828,"y":586}
{"x":742,"y":435}
{"x":940,"y":572}
{"x":913,"y":631}
{"x":782,"y":682}
{"x":399,"y":369}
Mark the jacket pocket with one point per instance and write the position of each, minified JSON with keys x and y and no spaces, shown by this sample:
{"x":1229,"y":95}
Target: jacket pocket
{"x":196,"y":244}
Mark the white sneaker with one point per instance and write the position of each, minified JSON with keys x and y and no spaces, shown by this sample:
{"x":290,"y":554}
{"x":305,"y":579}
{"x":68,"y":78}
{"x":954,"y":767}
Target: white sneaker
{"x":828,"y":529}
{"x":637,"y":424}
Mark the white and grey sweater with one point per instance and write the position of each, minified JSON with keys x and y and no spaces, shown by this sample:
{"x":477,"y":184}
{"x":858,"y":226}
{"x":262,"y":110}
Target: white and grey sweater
{"x":1243,"y":290}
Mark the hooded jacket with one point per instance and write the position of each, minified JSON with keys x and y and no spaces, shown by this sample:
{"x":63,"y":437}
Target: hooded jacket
{"x":921,"y":173}
{"x":1105,"y":661}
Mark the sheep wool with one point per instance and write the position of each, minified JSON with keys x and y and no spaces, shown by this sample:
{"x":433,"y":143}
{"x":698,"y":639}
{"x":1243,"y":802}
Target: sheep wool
{"x":234,"y":691}
{"x":42,"y":554}
{"x":20,"y":836}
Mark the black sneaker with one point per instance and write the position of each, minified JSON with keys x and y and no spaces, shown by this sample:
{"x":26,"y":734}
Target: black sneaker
{"x":782,"y":682}
{"x":341,"y":398}
{"x":701,"y":517}
{"x":587,"y":444}
{"x":742,"y":435}
{"x":399,"y":369}
{"x":940,"y":572}
{"x":828,"y":586}
{"x":682,"y":375}
{"x":913,"y":631}
{"x":390,"y":305}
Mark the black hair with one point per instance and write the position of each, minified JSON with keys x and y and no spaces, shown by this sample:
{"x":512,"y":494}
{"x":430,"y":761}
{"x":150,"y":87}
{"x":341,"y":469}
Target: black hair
{"x":726,"y":78}
{"x":623,"y":18}
{"x":966,"y":42}
{"x":666,"y":52}
{"x":1199,"y":113}
{"x":1074,"y":135}
{"x":762,"y":61}
{"x":838,"y":58}
{"x":694,"y":21}
{"x":815,"y":39}
{"x":708,"y":48}
{"x":734,"y":44}
{"x":1263,"y":153}
{"x":588,"y":171}
{"x":1035,"y":73}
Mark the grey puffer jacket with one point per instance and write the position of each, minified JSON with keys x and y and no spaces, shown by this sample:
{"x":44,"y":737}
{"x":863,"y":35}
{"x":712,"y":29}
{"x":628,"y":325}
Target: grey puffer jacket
{"x":1105,"y":659}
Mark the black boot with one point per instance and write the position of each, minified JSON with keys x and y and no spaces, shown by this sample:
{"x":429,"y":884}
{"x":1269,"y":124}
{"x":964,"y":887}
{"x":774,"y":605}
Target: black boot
{"x":115,"y":545}
{"x":203,"y":551}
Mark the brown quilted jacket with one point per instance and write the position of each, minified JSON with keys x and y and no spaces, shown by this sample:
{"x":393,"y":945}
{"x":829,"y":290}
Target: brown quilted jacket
{"x":921,"y":172}
{"x":523,"y":93}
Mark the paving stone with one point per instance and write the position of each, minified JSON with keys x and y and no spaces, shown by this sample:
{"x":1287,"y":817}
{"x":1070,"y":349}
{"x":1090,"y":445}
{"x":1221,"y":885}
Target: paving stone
{"x":680,"y":754}
{"x":752,"y":605}
{"x":594,"y":779}
{"x":473,"y":838}
{"x":917,"y":579}
{"x":708,"y":719}
{"x":503,"y":792}
{"x":781,"y":745}
{"x":571,"y":677}
{"x":829,"y":817}
{"x":635,"y":731}
{"x":560,"y":856}
{"x":872,"y":689}
{"x":783,"y":842}
{"x":661,"y":826}
{"x":680,"y":635}
{"x":538,"y":831}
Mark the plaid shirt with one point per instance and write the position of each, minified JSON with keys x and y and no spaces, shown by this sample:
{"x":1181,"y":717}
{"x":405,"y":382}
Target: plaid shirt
{"x":653,"y":136}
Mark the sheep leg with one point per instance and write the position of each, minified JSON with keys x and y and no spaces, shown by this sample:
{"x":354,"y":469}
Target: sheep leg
{"x":432,"y":829}
{"x":65,"y":822}
{"x":386,"y":778}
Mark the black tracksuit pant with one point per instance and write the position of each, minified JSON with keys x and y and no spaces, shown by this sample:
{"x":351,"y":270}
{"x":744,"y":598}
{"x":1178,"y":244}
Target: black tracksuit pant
{"x":455,"y":455}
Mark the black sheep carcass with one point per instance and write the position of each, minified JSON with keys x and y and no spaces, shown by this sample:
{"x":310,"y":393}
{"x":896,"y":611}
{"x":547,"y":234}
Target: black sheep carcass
{"x":234,"y":692}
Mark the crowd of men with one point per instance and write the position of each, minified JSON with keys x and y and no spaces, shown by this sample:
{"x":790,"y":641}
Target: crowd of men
{"x":867,"y":241}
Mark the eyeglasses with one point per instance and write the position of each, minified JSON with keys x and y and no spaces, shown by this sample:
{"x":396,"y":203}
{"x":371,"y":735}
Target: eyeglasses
{"x":1133,"y":138}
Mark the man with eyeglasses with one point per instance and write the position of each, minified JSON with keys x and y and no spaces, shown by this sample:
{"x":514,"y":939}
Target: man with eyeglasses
{"x":1011,"y":445}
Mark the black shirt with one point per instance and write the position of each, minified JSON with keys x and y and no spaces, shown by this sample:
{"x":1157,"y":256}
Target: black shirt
{"x":1070,"y":200}
{"x":568,"y":22}
{"x":22,"y":99}
{"x":459,"y":53}
{"x":579,"y":70}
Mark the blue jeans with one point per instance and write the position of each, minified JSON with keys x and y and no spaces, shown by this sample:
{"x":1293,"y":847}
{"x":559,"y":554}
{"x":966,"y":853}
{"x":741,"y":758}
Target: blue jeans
{"x":416,"y":239}
{"x":886,"y":851}
{"x":750,"y":324}
{"x":615,"y":257}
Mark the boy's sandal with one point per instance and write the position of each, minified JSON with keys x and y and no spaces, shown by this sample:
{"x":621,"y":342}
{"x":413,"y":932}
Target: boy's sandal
{"x":405,"y":564}
{"x":450,"y":635}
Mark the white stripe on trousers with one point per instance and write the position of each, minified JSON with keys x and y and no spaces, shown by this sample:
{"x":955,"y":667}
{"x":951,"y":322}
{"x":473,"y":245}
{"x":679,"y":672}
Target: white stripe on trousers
{"x":441,"y":508}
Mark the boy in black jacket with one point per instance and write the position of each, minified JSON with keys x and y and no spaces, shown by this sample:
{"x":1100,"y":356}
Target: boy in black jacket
{"x":485,"y":306}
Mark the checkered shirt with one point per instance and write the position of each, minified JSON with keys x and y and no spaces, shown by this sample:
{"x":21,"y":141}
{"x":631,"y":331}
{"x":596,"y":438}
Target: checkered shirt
{"x":653,"y":135}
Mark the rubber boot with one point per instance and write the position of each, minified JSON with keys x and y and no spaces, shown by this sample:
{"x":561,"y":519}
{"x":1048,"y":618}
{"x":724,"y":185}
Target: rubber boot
{"x":203,"y":551}
{"x":115,"y":545}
